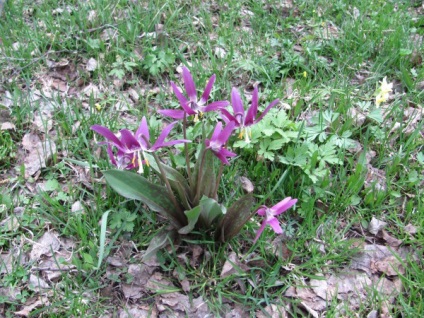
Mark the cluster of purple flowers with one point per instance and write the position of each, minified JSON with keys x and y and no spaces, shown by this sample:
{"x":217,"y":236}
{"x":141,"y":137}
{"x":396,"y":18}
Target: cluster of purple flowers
{"x":128,"y":151}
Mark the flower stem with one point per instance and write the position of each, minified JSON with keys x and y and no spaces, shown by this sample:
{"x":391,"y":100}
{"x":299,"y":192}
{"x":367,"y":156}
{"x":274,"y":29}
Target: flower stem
{"x":168,"y":186}
{"x":199,"y":175}
{"x":186,"y":147}
{"x":218,"y":180}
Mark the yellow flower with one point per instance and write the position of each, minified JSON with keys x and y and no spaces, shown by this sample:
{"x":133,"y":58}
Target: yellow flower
{"x":305,"y":74}
{"x":383,"y":92}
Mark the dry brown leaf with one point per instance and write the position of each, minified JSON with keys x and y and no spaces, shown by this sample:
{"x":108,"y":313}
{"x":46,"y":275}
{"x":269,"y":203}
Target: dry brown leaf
{"x":273,"y":311}
{"x":39,"y":152}
{"x":46,"y":245}
{"x":410,"y":229}
{"x":7,"y":126}
{"x":132,"y":291}
{"x":391,"y":241}
{"x":196,"y":252}
{"x":390,"y":266}
{"x":375,"y":177}
{"x":36,"y":283}
{"x":232,"y":265}
{"x":28,"y":308}
{"x":376,"y":226}
{"x":135,"y":312}
{"x":308,"y":297}
{"x":91,"y":65}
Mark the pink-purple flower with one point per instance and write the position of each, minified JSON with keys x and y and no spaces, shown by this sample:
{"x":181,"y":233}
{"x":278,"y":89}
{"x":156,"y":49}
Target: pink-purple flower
{"x":270,"y":214}
{"x":218,"y":140}
{"x":242,"y":119}
{"x":131,"y":147}
{"x":193,"y":106}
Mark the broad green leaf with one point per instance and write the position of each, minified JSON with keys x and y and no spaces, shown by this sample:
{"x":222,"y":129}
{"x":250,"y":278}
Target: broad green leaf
{"x":161,"y":240}
{"x":176,"y":180}
{"x":206,"y":185}
{"x":192,"y":217}
{"x":208,"y":210}
{"x":136,"y":187}
{"x":237,"y":215}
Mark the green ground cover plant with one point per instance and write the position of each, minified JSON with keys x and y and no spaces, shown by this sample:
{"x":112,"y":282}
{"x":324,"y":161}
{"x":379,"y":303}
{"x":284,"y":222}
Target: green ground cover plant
{"x":345,"y":139}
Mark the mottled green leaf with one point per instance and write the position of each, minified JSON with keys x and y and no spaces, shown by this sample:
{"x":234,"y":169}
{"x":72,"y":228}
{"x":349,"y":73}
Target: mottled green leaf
{"x":237,"y":215}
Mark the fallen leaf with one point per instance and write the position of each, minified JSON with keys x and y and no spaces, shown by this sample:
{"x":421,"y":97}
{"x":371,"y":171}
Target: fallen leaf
{"x":391,"y":241}
{"x":232,"y":265}
{"x":410,"y":229}
{"x":37,"y":283}
{"x":376,"y":226}
{"x":91,"y":65}
{"x":46,"y":245}
{"x":28,"y":308}
{"x":39,"y":152}
{"x":390,"y":265}
{"x":7,"y":126}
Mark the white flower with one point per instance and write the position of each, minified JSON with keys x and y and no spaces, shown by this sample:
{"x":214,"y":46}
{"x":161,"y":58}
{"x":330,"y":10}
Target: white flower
{"x":383,"y":92}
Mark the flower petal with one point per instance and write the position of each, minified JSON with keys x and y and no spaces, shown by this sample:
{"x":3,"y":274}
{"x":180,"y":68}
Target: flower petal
{"x":183,"y":101}
{"x":253,"y":109}
{"x":165,"y":132}
{"x":207,"y":91}
{"x":221,"y":157}
{"x":226,"y":132}
{"x":275,"y":225}
{"x":260,"y":230}
{"x":272,"y":104}
{"x":129,"y":143}
{"x":262,"y":211}
{"x":236,"y":102}
{"x":215,"y":105}
{"x":227,"y":117}
{"x":111,"y":155}
{"x":189,"y":85}
{"x":105,"y":132}
{"x":143,"y":129}
{"x":173,"y":113}
{"x":174,"y":142}
{"x":283,"y":205}
{"x":216,"y":131}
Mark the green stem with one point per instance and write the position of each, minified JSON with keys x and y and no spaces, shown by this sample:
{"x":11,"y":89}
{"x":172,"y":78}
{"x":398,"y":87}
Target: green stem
{"x":168,"y":186}
{"x":186,"y":147}
{"x":199,"y":175}
{"x":218,"y":180}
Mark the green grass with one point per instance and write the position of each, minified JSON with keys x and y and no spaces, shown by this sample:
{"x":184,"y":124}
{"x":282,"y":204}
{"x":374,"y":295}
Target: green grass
{"x":371,"y":40}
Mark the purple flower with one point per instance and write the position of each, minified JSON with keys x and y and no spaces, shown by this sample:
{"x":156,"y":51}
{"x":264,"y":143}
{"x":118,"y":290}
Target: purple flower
{"x":240,"y":118}
{"x":270,"y":213}
{"x":131,"y":147}
{"x":218,"y":140}
{"x":193,"y":106}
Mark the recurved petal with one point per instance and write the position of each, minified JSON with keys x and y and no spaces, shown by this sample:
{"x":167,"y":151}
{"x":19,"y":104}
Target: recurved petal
{"x":275,"y":225}
{"x":272,"y":104}
{"x":236,"y":102}
{"x":216,"y":132}
{"x":226,"y":132}
{"x":143,"y":129}
{"x":207,"y":91}
{"x":262,"y":211}
{"x":283,"y":205}
{"x":129,"y":143}
{"x":111,"y":155}
{"x":105,"y":132}
{"x":260,"y":230}
{"x":253,"y":109}
{"x":165,"y":132}
{"x":227,"y":117}
{"x":215,"y":105}
{"x":189,"y":85}
{"x":173,"y":113}
{"x":183,"y":101}
{"x":221,"y":157}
